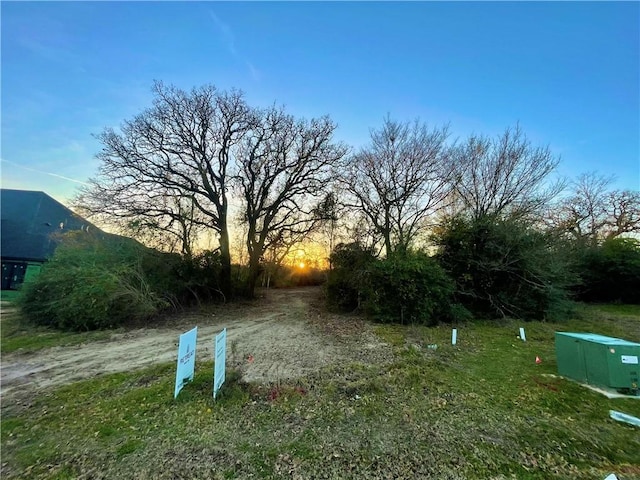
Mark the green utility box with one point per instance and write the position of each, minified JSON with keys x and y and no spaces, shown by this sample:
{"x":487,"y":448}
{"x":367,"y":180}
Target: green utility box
{"x":599,"y":360}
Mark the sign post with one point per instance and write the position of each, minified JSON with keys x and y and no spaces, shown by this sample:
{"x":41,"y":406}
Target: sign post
{"x":186,"y":359}
{"x":220,"y":360}
{"x":454,"y":336}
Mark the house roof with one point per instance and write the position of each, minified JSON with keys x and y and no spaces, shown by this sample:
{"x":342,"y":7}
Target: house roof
{"x":28,"y":220}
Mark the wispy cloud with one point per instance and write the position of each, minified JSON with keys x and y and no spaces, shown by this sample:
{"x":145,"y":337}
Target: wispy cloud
{"x":229,"y":39}
{"x":43,"y":172}
{"x":48,"y":52}
{"x":255,"y":73}
{"x":227,"y":33}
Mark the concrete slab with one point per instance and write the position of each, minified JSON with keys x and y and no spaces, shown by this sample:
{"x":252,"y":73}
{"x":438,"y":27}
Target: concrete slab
{"x":607,"y":392}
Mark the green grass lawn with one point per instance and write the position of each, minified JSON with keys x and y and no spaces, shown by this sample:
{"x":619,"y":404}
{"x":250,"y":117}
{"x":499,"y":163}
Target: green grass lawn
{"x":482,"y":409}
{"x":17,"y":335}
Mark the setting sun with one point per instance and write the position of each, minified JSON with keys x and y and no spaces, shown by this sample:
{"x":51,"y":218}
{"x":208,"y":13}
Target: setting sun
{"x":301,"y":265}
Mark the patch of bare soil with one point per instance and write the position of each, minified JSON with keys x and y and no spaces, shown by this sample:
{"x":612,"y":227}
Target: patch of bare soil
{"x":284,"y":334}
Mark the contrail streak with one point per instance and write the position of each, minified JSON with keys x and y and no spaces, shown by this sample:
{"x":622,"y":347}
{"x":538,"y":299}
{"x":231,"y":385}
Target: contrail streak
{"x":43,"y":172}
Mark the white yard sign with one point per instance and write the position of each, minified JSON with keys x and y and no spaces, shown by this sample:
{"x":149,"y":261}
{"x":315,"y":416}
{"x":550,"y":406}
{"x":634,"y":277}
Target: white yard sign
{"x":186,"y":359}
{"x":522,"y":335}
{"x":220,"y":359}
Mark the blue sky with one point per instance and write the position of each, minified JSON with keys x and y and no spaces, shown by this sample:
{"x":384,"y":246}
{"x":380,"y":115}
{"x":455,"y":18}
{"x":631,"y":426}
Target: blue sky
{"x":569,"y":72}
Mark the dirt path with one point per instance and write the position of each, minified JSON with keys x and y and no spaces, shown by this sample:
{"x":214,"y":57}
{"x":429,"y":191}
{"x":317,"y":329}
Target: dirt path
{"x":287,"y":333}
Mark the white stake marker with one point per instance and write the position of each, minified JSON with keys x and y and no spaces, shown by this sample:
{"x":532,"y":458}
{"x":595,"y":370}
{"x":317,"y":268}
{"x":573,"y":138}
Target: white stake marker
{"x":522,"y":336}
{"x":454,"y":336}
{"x":220,"y":361}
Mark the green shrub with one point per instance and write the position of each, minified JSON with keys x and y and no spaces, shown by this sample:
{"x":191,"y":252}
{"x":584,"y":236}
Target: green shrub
{"x":90,"y":284}
{"x":408,"y":288}
{"x":611,"y":272}
{"x":196,"y":278}
{"x":93,"y":283}
{"x":240,"y":279}
{"x":506,"y":268}
{"x":345,"y":281}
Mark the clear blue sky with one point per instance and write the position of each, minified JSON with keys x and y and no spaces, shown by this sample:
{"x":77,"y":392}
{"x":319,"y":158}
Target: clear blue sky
{"x":568,"y":72}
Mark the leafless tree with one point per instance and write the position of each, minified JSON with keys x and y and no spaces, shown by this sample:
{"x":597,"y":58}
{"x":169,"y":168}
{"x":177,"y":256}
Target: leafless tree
{"x":181,"y":146}
{"x":160,"y":218}
{"x":332,"y":215}
{"x":624,"y":213}
{"x":276,"y":251}
{"x":399,"y":180}
{"x":593,"y":212}
{"x":503,"y":177}
{"x":284,"y":171}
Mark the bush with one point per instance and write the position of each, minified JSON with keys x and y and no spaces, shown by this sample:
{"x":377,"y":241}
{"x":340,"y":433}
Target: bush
{"x":408,"y":288}
{"x":405,"y":288}
{"x":611,"y":272}
{"x":505,"y":268}
{"x":90,"y":284}
{"x":196,"y":278}
{"x":349,"y":265}
{"x":240,"y":279}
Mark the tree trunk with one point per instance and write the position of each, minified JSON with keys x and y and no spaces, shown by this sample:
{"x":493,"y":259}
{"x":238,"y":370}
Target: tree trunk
{"x":387,"y":243}
{"x":254,"y":272}
{"x":225,"y":270}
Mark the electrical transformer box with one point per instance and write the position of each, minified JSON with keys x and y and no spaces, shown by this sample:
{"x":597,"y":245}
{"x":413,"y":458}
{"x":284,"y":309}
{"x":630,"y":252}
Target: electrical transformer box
{"x":599,"y":360}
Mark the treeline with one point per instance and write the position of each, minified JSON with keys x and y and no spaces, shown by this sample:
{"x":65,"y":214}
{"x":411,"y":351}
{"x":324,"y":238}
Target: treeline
{"x":478,"y":229}
{"x":484,"y":268}
{"x":417,"y":227}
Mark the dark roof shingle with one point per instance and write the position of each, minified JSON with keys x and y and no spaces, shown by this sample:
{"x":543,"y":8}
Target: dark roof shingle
{"x":28,"y":220}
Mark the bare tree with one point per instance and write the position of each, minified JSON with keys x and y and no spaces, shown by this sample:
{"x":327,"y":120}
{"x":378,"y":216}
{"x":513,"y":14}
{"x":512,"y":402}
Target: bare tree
{"x":624,"y":213}
{"x":160,"y":218}
{"x":399,"y":180}
{"x":329,"y":211}
{"x":276,"y":251}
{"x":505,"y":176}
{"x":284,"y":171}
{"x":181,"y":146}
{"x":593,"y":212}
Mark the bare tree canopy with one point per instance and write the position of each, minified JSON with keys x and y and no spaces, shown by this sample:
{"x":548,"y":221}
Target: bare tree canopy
{"x":593,"y":212}
{"x":399,"y":180}
{"x":171,"y":170}
{"x":285,"y":168}
{"x":161,"y":218}
{"x":181,"y":147}
{"x":506,"y":176}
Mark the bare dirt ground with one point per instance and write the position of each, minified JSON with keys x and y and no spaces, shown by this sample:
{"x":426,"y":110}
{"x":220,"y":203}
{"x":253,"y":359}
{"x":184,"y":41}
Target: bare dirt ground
{"x":286,"y":333}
